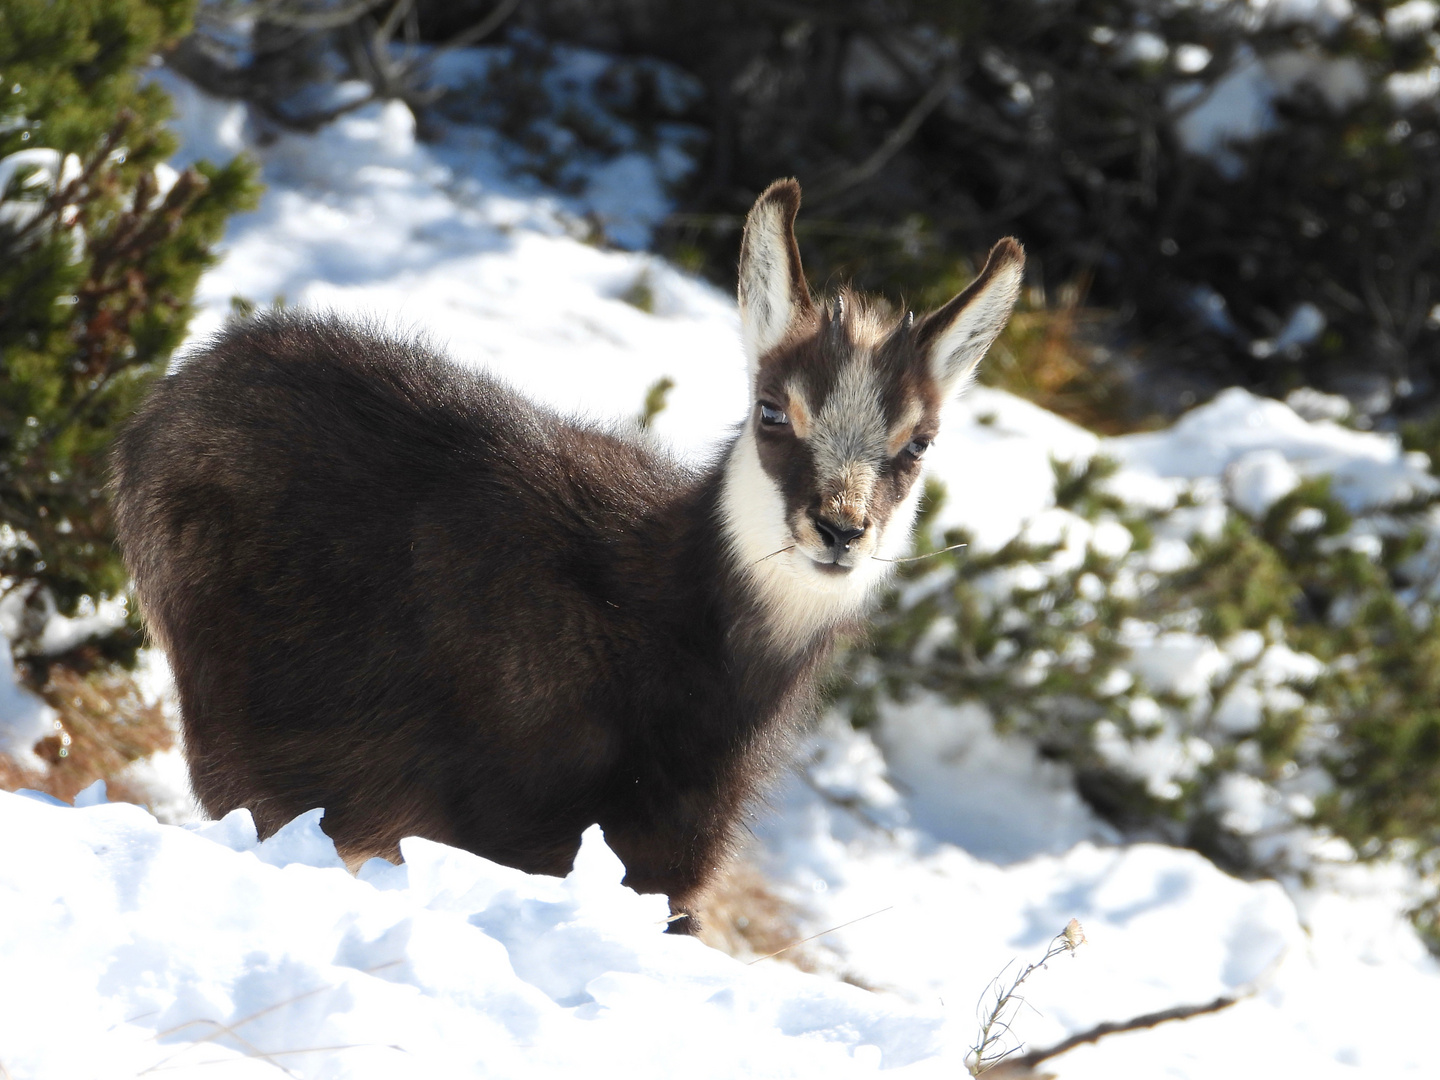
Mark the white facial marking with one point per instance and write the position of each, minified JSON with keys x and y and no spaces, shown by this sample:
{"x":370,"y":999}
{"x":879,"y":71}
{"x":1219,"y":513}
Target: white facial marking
{"x":804,"y":585}
{"x":904,"y":429}
{"x":783,"y":558}
{"x":799,"y":407}
{"x":850,"y":428}
{"x":800,"y":599}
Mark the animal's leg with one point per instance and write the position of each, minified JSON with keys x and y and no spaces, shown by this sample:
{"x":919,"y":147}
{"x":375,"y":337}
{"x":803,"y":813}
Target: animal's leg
{"x":678,"y":861}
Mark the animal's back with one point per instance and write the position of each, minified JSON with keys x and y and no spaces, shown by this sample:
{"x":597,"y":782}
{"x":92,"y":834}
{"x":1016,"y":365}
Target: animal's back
{"x":331,"y":530}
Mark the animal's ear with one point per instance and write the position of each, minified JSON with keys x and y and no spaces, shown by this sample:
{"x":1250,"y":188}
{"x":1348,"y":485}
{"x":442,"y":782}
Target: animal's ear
{"x":773,"y":293}
{"x":956,"y":337}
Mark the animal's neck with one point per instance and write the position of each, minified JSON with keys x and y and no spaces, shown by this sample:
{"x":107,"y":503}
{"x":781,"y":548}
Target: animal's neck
{"x":689,"y":591}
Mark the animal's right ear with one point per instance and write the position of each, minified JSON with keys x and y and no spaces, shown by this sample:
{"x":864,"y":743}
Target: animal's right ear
{"x":773,"y":293}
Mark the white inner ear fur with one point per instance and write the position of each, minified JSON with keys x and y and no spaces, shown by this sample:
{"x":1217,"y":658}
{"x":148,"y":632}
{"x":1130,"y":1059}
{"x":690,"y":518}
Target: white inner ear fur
{"x":767,"y":305}
{"x":958,"y":350}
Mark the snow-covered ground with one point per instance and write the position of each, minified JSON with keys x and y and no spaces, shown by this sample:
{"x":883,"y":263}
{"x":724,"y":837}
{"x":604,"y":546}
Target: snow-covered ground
{"x":129,"y":947}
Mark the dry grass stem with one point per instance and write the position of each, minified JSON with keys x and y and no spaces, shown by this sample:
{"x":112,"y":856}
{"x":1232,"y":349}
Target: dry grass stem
{"x":927,"y":555}
{"x":995,"y":1022}
{"x":774,"y":553}
{"x":1026,"y":1062}
{"x":251,"y":1050}
{"x":745,"y":917}
{"x":822,"y":933}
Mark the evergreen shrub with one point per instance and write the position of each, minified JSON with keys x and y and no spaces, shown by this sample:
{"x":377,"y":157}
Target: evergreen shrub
{"x":101,"y":246}
{"x":1316,"y":719}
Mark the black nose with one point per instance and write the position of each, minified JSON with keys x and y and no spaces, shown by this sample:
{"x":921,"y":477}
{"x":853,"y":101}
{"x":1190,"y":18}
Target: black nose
{"x":836,"y":537}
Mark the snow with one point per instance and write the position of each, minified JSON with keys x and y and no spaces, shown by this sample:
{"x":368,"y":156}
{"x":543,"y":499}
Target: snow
{"x":1240,"y":105}
{"x":140,"y":945}
{"x":1164,"y":928}
{"x":1259,"y":439}
{"x":147,"y":946}
{"x":1323,"y":15}
{"x":362,"y":220}
{"x":987,"y":427}
{"x":151,"y":947}
{"x":961,"y":779}
{"x":24,"y":718}
{"x":1411,"y":17}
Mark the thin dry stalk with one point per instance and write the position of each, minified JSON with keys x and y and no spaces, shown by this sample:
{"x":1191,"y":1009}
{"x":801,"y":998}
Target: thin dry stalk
{"x":822,"y":933}
{"x":1026,"y":1062}
{"x":251,"y":1050}
{"x":744,"y":916}
{"x":774,"y":553}
{"x":920,"y":558}
{"x":995,"y":1023}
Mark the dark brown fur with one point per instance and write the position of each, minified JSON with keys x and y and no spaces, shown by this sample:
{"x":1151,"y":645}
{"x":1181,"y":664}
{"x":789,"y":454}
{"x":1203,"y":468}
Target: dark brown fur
{"x":396,"y":589}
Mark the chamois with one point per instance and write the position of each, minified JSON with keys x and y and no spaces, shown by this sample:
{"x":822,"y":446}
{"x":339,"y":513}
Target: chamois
{"x":392,"y":587}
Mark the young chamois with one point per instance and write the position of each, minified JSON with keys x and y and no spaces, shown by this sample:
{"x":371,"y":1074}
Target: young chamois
{"x":394,"y":588}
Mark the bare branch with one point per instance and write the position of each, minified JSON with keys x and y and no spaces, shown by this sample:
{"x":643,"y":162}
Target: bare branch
{"x":386,"y":30}
{"x":286,"y":13}
{"x":894,"y":142}
{"x":1138,"y":1023}
{"x":484,"y":28}
{"x":399,"y":78}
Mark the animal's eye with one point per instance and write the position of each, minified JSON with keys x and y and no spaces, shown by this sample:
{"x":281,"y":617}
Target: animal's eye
{"x":917,"y":446}
{"x":770,"y":416}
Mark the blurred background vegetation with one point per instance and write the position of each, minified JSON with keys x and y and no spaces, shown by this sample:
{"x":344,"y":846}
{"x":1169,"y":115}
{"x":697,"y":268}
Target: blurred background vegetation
{"x":1212,"y":193}
{"x":1238,"y":193}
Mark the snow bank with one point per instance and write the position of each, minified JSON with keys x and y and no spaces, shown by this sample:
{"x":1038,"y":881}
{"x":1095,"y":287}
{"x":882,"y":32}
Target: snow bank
{"x":1263,"y":447}
{"x":363,"y":220}
{"x":140,"y":946}
{"x":1165,"y":927}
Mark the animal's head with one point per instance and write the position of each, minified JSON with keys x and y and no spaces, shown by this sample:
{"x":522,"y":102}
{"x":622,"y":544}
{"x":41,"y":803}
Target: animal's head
{"x":823,"y":484}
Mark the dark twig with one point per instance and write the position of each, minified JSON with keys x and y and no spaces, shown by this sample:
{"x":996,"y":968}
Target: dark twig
{"x":406,"y":73}
{"x":1138,"y":1023}
{"x":291,"y":15}
{"x":894,"y":142}
{"x":1150,"y":1020}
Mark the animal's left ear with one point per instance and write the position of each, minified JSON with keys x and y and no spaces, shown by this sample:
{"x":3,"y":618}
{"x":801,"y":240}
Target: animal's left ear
{"x":956,"y":337}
